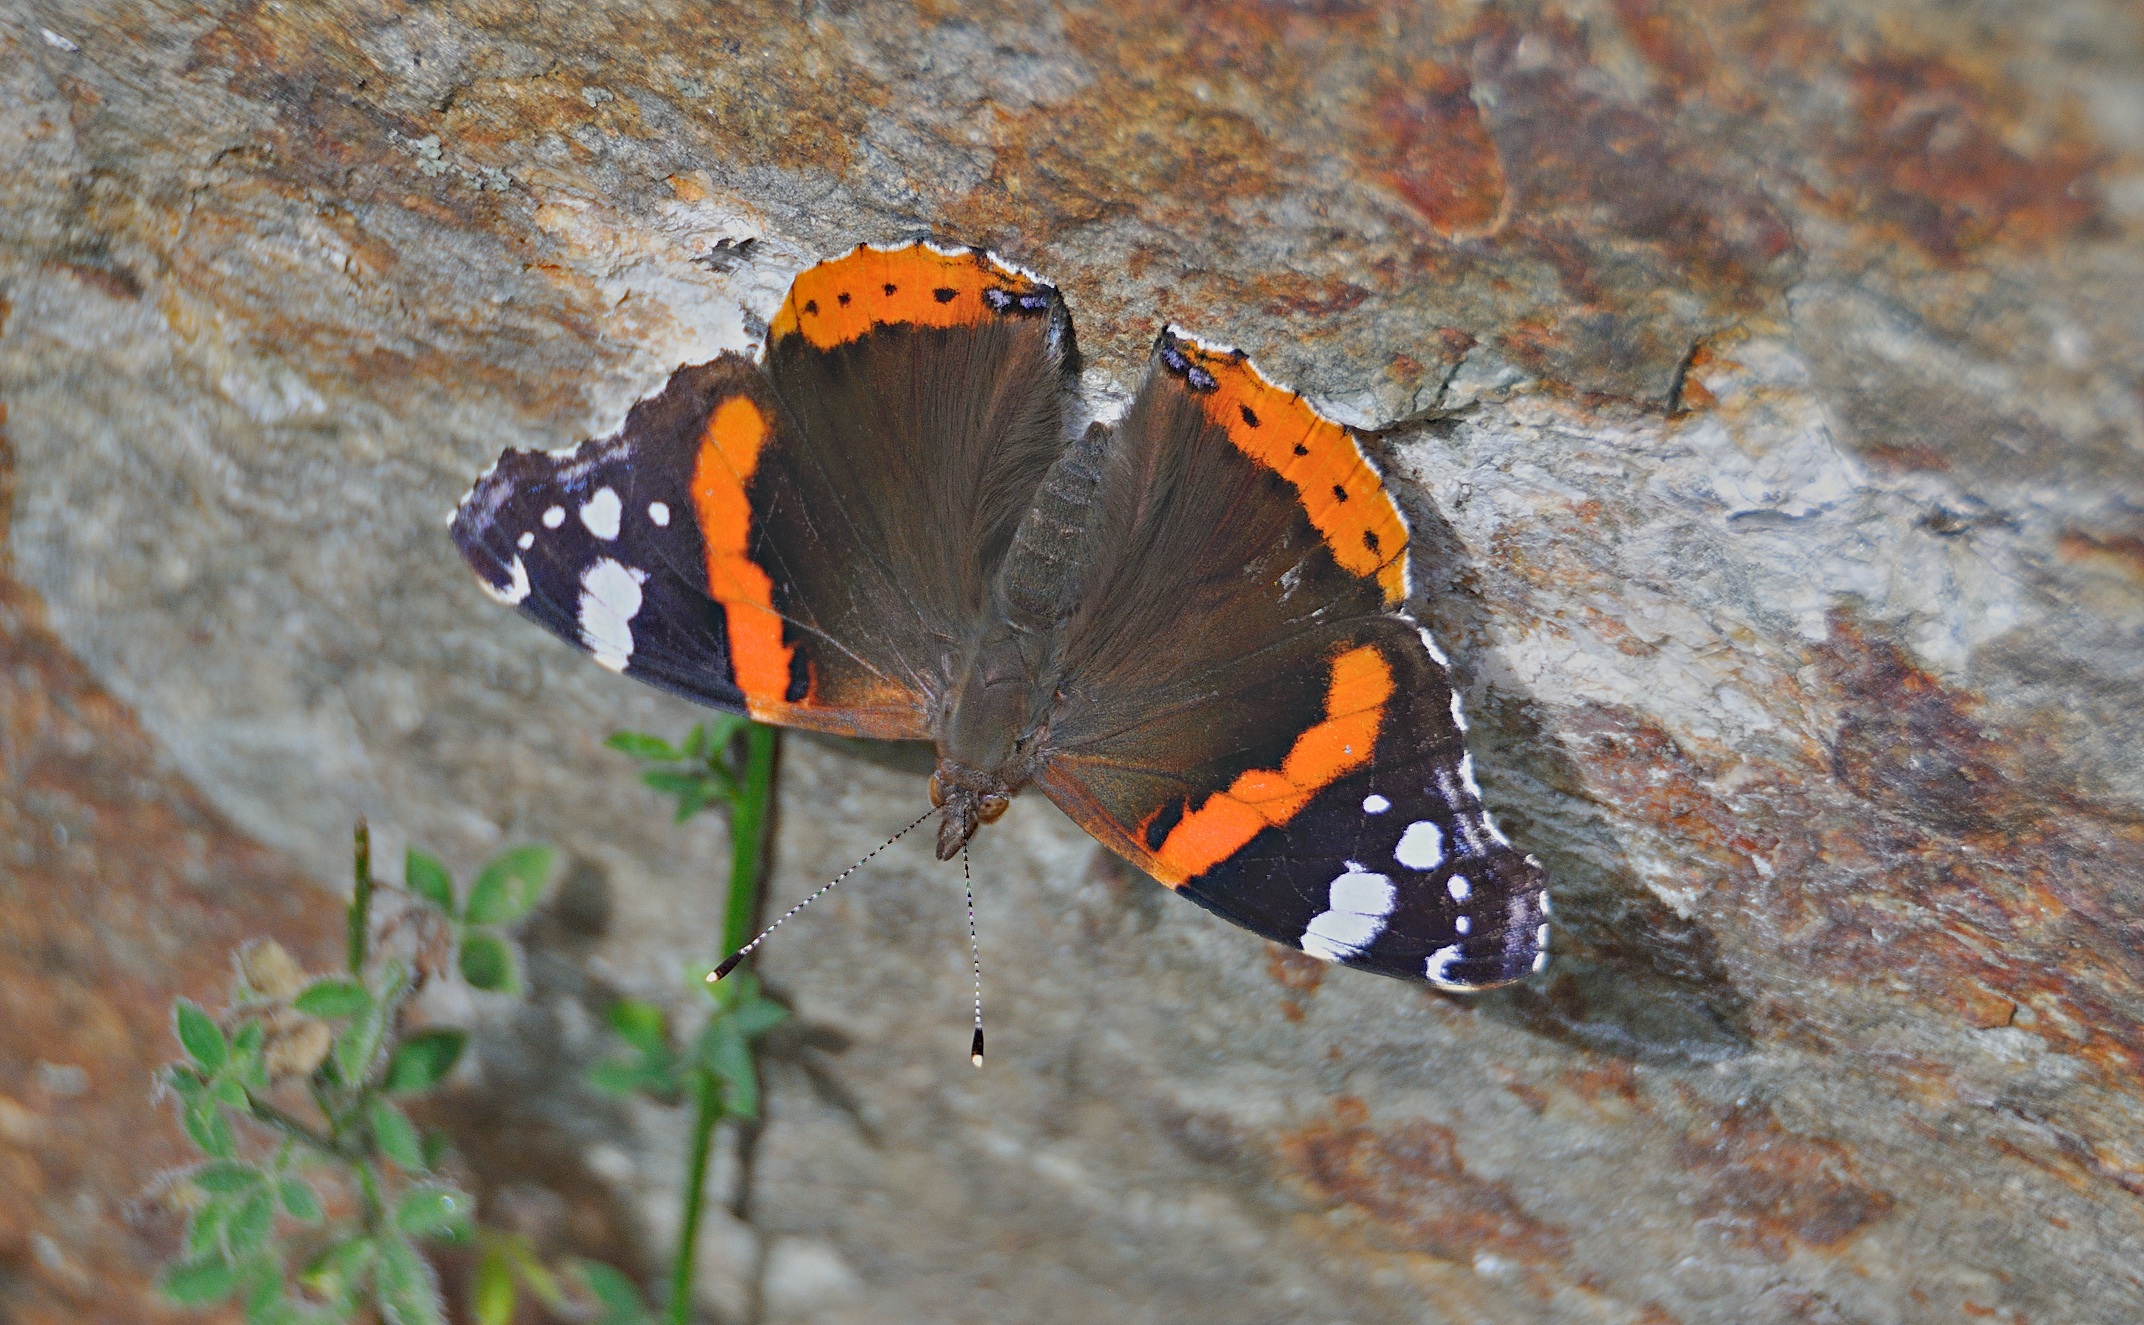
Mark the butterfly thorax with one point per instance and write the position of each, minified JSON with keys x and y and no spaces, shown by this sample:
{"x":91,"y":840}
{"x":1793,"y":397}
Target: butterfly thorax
{"x":984,"y":739}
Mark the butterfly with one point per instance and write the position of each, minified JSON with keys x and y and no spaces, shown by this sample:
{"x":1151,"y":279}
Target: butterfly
{"x":1189,"y":629}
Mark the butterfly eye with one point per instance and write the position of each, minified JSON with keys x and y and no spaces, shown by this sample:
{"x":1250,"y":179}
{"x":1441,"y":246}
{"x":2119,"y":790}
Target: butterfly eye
{"x":991,"y":808}
{"x":937,"y":792}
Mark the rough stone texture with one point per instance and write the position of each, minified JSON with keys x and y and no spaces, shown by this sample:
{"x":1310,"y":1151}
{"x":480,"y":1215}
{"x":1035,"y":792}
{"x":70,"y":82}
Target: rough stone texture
{"x":1765,"y":383}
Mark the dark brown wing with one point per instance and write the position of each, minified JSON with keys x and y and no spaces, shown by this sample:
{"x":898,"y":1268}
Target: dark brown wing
{"x":1246,"y":710}
{"x":810,"y":541}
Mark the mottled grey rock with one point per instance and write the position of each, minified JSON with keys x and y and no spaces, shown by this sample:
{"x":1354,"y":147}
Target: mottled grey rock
{"x":1765,"y":387}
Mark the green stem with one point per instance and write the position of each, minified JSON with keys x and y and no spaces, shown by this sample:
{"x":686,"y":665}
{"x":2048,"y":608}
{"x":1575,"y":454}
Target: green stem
{"x":294,"y":1129}
{"x":748,"y":836}
{"x":706,"y":1112}
{"x":748,"y":851}
{"x":361,"y":900}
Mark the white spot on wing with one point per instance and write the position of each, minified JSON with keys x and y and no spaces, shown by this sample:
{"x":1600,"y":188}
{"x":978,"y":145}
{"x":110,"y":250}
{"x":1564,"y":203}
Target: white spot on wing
{"x":1438,"y":968}
{"x":517,"y":588}
{"x":1459,"y":888}
{"x":610,"y":598}
{"x":1462,"y":924}
{"x":1459,"y":717}
{"x":1429,"y":642}
{"x":659,"y":512}
{"x":1358,"y":904}
{"x":525,"y":542}
{"x":554,"y":517}
{"x":1466,"y":775}
{"x":600,"y":513}
{"x":1375,"y":804}
{"x":1421,"y":846}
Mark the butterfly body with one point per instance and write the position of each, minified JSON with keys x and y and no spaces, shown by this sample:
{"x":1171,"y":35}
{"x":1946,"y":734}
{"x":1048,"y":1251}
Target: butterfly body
{"x":1189,"y":629}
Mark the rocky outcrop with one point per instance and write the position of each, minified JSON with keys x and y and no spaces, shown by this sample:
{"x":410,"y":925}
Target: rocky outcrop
{"x":1764,"y":384}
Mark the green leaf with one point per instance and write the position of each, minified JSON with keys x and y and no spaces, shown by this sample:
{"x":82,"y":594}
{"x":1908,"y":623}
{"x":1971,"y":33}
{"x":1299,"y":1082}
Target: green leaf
{"x":426,"y":877}
{"x":616,"y":1294}
{"x":264,"y":1292}
{"x":510,"y":886}
{"x":204,"y":1232}
{"x":358,"y":1045}
{"x":535,"y":1275}
{"x":205,"y":1123}
{"x":185,"y":1082}
{"x":199,"y":1282}
{"x":720,"y":733}
{"x":202,"y":1037}
{"x":488,"y":963}
{"x":408,"y":1293}
{"x":430,"y":1211}
{"x":334,"y":999}
{"x":226,"y":1176}
{"x":231,"y":1092}
{"x":247,"y":1043}
{"x":642,"y":1025}
{"x":424,"y":1059}
{"x":757,"y":1016}
{"x":725,"y":1055}
{"x":252,"y":1223}
{"x":492,"y":1300}
{"x":340,"y":1270}
{"x":640,"y":745}
{"x":396,"y":1138}
{"x":299,"y":1200}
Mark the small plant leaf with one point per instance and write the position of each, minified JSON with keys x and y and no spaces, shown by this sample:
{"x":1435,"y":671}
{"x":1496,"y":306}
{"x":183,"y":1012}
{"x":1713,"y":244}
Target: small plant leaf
{"x":426,"y":877}
{"x":640,"y":745}
{"x":616,"y":1294}
{"x":408,"y":1294}
{"x":202,"y":1037}
{"x":488,"y":963}
{"x":225,"y":1176}
{"x":756,"y":1016}
{"x":358,"y":1045}
{"x":204,"y":1233}
{"x":341,"y":1269}
{"x":431,"y":1211}
{"x":725,"y":1055}
{"x":334,"y":999}
{"x":510,"y":886}
{"x":397,"y":1139}
{"x":250,"y":1226}
{"x":492,"y":1300}
{"x":642,"y":1025}
{"x":265,"y":1304}
{"x":201,"y":1281}
{"x":231,"y":1091}
{"x":424,"y":1059}
{"x":206,"y":1125}
{"x":299,"y":1200}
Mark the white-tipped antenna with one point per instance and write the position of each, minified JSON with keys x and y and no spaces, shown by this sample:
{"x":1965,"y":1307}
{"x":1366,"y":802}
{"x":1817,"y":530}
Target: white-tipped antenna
{"x":730,"y":963}
{"x":975,"y":951}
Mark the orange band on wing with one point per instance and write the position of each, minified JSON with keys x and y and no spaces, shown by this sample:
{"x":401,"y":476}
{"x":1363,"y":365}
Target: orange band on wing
{"x":1267,"y":798}
{"x":1344,"y":497}
{"x":841,"y":299}
{"x":729,"y":453}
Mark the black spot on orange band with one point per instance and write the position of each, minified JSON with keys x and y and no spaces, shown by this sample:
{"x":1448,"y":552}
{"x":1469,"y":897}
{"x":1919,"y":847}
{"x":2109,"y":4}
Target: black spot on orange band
{"x":832,"y":304}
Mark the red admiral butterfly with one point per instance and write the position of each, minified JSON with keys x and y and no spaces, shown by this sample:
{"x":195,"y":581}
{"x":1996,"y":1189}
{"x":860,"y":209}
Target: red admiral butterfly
{"x":1189,"y":630}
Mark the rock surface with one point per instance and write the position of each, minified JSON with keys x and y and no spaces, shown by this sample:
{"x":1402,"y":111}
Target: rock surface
{"x":1767,"y":384}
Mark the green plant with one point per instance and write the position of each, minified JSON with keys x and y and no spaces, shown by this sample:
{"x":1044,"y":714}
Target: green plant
{"x":316,"y":1192}
{"x":728,"y":763}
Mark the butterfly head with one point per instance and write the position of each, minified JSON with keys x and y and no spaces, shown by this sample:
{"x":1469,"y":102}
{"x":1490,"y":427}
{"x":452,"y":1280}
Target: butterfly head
{"x":966,"y":800}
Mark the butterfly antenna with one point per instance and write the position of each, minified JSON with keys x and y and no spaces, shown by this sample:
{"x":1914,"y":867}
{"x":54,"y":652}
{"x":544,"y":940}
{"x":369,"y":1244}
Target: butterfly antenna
{"x":730,"y":963}
{"x":975,"y":951}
